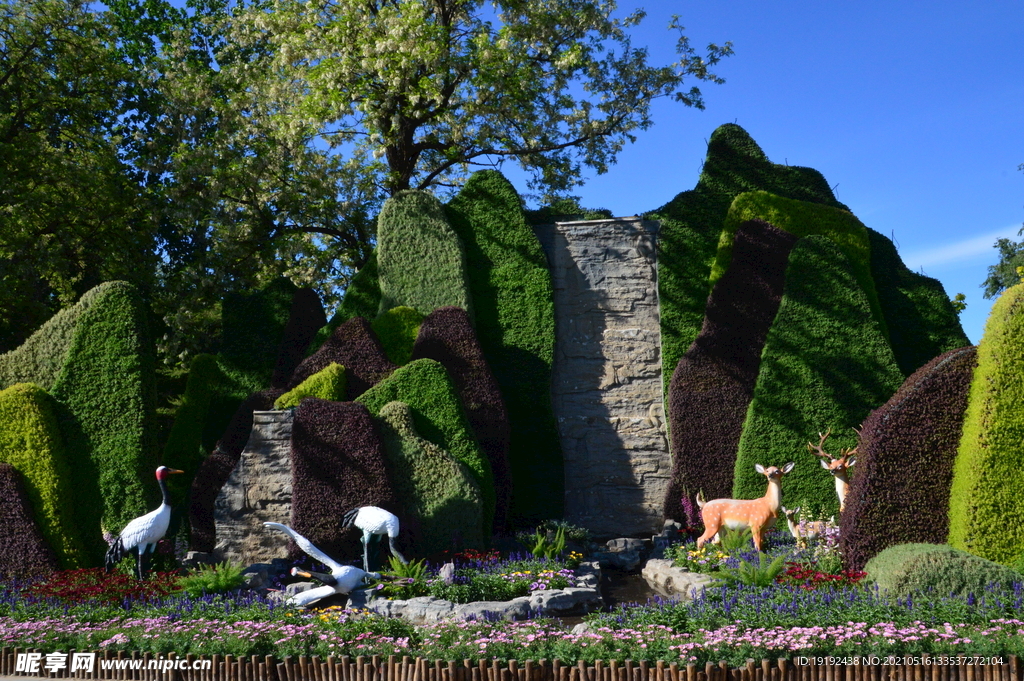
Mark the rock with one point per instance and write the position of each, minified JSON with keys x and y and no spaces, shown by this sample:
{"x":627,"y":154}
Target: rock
{"x":194,"y":559}
{"x":618,"y":560}
{"x":625,"y":544}
{"x":565,"y":601}
{"x":516,"y":609}
{"x":588,"y":575}
{"x":671,"y":581}
{"x":447,"y":573}
{"x":257,"y":575}
{"x":580,"y":629}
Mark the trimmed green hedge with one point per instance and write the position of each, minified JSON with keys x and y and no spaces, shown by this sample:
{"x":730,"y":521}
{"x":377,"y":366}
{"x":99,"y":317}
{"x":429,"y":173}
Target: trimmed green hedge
{"x":40,"y":358}
{"x":397,"y":329}
{"x":986,"y":504}
{"x":253,"y":330}
{"x":802,"y":218}
{"x":515,"y":323}
{"x":327,"y":384}
{"x":919,"y":315}
{"x":31,"y":442}
{"x":691,"y":224}
{"x":424,"y":385}
{"x":362,"y":299}
{"x":825,"y":364}
{"x":420,"y":259}
{"x":107,"y":389}
{"x":438,"y":490}
{"x":906,"y":569}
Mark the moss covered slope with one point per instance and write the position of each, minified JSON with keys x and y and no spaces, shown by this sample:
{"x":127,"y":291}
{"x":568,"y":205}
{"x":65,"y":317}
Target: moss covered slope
{"x":515,"y":323}
{"x":986,"y":505}
{"x":826,"y":364}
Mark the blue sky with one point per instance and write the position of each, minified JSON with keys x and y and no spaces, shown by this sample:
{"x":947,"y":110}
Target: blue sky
{"x":914,"y":109}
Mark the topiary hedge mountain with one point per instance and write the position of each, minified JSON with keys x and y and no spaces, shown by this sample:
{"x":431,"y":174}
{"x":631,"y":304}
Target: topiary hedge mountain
{"x":397,"y":330}
{"x":714,"y":381}
{"x":691,"y":225}
{"x":437,"y":490}
{"x":825,"y":364}
{"x":355,"y":346}
{"x":327,"y":384}
{"x":419,"y":258}
{"x":986,"y":504}
{"x":23,"y":551}
{"x":362,"y":299}
{"x":515,"y":323}
{"x":437,"y":411}
{"x":446,"y":336}
{"x":31,"y":444}
{"x":900,"y":493}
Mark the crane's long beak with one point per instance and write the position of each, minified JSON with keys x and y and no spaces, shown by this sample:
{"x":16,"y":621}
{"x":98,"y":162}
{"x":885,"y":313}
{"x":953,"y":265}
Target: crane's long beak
{"x":299,"y":573}
{"x":174,"y":470}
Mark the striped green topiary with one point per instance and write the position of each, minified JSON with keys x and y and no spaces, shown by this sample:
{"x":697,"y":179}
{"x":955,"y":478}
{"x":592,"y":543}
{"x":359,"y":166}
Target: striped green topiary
{"x":424,"y":385}
{"x":515,"y":323}
{"x":397,"y":329}
{"x":419,"y":257}
{"x":438,"y":490}
{"x":986,"y":507}
{"x":327,"y":384}
{"x":825,"y":364}
{"x":31,"y":442}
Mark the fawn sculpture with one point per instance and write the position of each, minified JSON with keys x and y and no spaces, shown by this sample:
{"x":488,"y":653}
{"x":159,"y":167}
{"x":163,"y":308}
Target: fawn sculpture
{"x":839,"y":468}
{"x":757,"y":514}
{"x":804,"y":531}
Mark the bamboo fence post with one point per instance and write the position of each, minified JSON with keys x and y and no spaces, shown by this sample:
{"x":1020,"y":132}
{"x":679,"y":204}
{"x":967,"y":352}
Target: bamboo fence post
{"x":645,"y":671}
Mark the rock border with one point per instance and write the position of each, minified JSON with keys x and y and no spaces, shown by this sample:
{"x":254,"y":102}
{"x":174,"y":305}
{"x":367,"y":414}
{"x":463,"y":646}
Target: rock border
{"x":674,"y":582}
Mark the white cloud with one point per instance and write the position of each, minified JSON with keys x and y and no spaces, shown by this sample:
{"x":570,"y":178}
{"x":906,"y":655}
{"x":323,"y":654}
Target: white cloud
{"x":959,"y":252}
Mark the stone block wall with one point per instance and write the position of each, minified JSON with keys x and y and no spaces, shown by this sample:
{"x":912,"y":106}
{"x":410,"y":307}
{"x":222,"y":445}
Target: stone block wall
{"x":258,"y":490}
{"x":606,"y":382}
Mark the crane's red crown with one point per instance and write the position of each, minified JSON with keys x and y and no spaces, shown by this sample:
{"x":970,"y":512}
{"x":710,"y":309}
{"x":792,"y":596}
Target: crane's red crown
{"x":164,"y":471}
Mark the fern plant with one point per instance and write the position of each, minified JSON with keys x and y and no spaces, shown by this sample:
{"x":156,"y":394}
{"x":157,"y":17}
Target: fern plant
{"x":750,"y":574}
{"x":212,"y":579}
{"x":404,"y":580}
{"x":548,"y":548}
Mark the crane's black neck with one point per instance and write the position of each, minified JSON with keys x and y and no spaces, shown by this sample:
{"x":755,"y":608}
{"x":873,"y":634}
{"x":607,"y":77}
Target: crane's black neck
{"x":163,"y":491}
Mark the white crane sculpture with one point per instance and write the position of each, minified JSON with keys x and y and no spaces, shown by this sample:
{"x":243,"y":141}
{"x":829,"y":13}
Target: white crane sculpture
{"x":342,"y":580}
{"x":373,"y":521}
{"x":141,"y":535}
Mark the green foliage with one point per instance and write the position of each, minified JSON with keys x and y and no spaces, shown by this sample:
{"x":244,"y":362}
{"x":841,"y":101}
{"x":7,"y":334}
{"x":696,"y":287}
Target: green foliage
{"x":211,"y":579}
{"x":907,"y":569}
{"x":436,"y":488}
{"x":420,"y":258}
{"x":404,"y":580}
{"x":543,"y":547}
{"x":825,"y":364}
{"x":691,"y":224}
{"x":763,"y":574}
{"x":362,"y":299}
{"x":327,"y":384}
{"x":437,"y":413}
{"x":985,"y":500}
{"x":922,"y":321}
{"x":515,"y":321}
{"x":397,"y":330}
{"x":30,"y":440}
{"x":253,"y":327}
{"x":1007,"y":272}
{"x":736,"y":540}
{"x":802,"y":218}
{"x":107,"y":392}
{"x":186,"y":448}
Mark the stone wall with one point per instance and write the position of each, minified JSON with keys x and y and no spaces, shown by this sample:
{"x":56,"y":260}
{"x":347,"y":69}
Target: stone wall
{"x":606,"y":383}
{"x":259,"y":490}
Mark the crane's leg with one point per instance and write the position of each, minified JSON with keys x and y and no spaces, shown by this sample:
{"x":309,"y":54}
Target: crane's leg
{"x":366,"y":552}
{"x":141,"y":561}
{"x":391,"y":544}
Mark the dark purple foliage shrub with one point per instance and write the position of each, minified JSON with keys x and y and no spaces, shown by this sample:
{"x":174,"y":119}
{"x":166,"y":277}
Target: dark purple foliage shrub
{"x":713,"y":383}
{"x":23,"y":551}
{"x":904,"y":470}
{"x":338,"y":463}
{"x":355,"y":346}
{"x":213,"y":472}
{"x":447,"y":337}
{"x":305,"y":318}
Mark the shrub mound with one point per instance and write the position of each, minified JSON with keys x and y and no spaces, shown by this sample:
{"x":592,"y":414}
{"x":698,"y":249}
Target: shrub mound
{"x":425,"y":386}
{"x":419,"y":257}
{"x":515,"y":322}
{"x":987,"y":475}
{"x":362,"y":299}
{"x":900,"y":493}
{"x":691,"y":225}
{"x":338,"y":463}
{"x":397,"y":329}
{"x":446,"y":336}
{"x":23,"y":551}
{"x":919,"y":315}
{"x":253,"y":330}
{"x":437,"y":490}
{"x":714,"y":381}
{"x":305,"y":317}
{"x":355,"y":346}
{"x":825,"y":364}
{"x":31,"y":443}
{"x":327,"y":384}
{"x":906,"y":569}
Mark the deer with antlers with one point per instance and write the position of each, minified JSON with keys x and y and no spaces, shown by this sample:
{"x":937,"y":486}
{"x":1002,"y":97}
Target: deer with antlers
{"x":838,"y":468}
{"x":736,"y":514}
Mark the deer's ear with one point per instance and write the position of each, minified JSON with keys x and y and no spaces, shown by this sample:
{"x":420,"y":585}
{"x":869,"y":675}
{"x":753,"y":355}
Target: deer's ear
{"x":759,"y":468}
{"x":788,"y":467}
{"x":796,"y":510}
{"x":823,"y":464}
{"x":851,"y":462}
